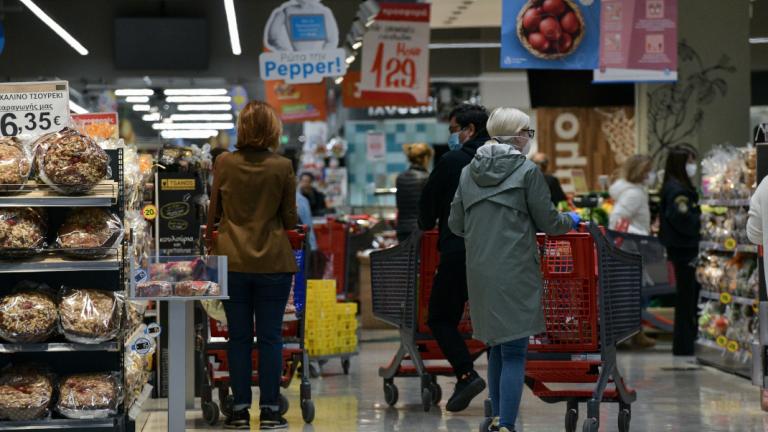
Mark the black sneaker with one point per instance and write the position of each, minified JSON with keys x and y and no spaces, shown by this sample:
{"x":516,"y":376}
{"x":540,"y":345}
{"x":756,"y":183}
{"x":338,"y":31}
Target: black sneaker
{"x":468,"y":386}
{"x":272,"y":420}
{"x":238,"y":420}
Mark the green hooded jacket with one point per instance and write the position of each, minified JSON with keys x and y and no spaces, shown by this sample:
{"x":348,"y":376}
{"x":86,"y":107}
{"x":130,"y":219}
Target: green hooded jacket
{"x":502,"y":202}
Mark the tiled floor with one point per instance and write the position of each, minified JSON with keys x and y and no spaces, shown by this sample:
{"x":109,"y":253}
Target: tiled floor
{"x":673,"y":396}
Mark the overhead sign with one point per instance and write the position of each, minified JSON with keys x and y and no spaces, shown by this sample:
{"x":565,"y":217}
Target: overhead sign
{"x":555,"y":34}
{"x":296,"y":103}
{"x":396,"y":54}
{"x":302,"y":39}
{"x":352,"y":96}
{"x":33,"y":108}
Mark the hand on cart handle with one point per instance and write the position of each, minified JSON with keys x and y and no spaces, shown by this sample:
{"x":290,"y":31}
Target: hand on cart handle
{"x":575,"y":218}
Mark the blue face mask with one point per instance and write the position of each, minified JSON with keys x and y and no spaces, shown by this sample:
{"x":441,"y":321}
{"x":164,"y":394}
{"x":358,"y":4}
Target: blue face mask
{"x":454,"y":143}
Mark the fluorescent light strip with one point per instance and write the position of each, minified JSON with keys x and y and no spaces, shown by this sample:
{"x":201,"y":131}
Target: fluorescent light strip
{"x":350,"y":59}
{"x":137,"y":99}
{"x":134,"y":92}
{"x":464,"y":45}
{"x":201,"y":117}
{"x":55,"y":27}
{"x":192,"y":126}
{"x":189,"y":134}
{"x":198,"y":99}
{"x":339,"y":80}
{"x":77,"y":109}
{"x":205,"y":107}
{"x":141,"y":107}
{"x":234,"y":35}
{"x":152,"y":117}
{"x":196,"y":92}
{"x":758,"y":40}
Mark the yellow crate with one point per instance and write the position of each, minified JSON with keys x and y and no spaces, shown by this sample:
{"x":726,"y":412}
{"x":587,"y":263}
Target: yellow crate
{"x":346,"y":309}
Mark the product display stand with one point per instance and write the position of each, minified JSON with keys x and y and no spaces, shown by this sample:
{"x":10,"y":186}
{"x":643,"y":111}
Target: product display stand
{"x":177,"y":365}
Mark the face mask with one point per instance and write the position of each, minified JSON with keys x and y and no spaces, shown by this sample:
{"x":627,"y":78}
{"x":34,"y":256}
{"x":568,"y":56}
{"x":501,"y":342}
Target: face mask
{"x":526,"y":148}
{"x":650,"y":179}
{"x":454,"y":143}
{"x":690,"y":169}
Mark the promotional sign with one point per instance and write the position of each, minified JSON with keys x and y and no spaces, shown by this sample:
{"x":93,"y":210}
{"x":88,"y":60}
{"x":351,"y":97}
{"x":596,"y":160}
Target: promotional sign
{"x":99,"y":126}
{"x":638,"y":38}
{"x":179,"y":228}
{"x":396,"y":54}
{"x":302,"y":40}
{"x":297,"y":102}
{"x":352,"y":96}
{"x":553,"y":34}
{"x":376,"y":146}
{"x":33,"y":107}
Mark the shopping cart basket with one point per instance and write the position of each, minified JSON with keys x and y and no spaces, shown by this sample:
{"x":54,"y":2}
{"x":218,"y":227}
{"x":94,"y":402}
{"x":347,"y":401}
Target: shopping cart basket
{"x":401,"y":282}
{"x":212,"y":351}
{"x":591,"y":302}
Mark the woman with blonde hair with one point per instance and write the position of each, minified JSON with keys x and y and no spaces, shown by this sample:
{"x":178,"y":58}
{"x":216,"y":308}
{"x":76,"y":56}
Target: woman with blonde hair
{"x":409,"y":184}
{"x":500,"y":205}
{"x":631,"y":212}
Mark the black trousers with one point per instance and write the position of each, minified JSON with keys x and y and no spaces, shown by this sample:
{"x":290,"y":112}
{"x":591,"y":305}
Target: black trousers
{"x":446,"y":307}
{"x":686,"y":309}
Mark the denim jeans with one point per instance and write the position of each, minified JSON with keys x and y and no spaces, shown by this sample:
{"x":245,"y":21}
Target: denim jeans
{"x":263,"y":296}
{"x":506,"y":374}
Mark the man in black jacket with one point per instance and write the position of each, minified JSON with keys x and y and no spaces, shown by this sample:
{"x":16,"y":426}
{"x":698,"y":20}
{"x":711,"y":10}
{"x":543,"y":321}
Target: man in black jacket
{"x":449,"y":291}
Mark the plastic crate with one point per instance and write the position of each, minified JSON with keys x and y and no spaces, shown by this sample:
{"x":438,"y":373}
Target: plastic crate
{"x":332,"y":241}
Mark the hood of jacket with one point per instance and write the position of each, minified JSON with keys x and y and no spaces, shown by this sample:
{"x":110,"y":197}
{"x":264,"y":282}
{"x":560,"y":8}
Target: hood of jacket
{"x":620,"y":186}
{"x":493,"y":163}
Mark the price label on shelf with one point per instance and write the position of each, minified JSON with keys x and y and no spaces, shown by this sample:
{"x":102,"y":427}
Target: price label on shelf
{"x":756,"y":306}
{"x":726,"y":298}
{"x":722,"y":341}
{"x":153,"y":330}
{"x":149,"y":211}
{"x":732,"y":346}
{"x":33,"y":108}
{"x":730,"y":244}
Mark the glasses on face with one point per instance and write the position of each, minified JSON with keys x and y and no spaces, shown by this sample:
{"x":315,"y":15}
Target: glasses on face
{"x":454,"y":129}
{"x":528,"y":132}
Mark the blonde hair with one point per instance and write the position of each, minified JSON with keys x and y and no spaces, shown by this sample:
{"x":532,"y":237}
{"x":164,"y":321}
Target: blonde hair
{"x":507,"y":121}
{"x":418,"y":153}
{"x":635,"y":168}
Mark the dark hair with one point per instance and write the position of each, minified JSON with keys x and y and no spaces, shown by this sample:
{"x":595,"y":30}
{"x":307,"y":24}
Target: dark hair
{"x":677,"y":158}
{"x":307,"y":174}
{"x":467,"y":114}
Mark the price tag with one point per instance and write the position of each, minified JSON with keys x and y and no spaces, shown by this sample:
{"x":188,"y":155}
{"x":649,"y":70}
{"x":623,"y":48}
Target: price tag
{"x":33,"y":108}
{"x":142,"y":346}
{"x":756,"y":306}
{"x":149,"y":211}
{"x":730,"y":244}
{"x":153,"y":330}
{"x":140,"y":276}
{"x":726,"y":298}
{"x":722,"y":341}
{"x":733,"y":346}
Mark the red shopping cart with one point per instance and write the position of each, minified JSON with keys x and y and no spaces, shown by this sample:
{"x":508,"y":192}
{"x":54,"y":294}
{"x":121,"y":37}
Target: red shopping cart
{"x":212,"y":351}
{"x":401,"y":283}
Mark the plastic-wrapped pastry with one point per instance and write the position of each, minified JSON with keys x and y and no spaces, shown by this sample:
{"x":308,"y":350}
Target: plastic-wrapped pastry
{"x":196,"y":288}
{"x":89,"y":396}
{"x":28,"y":315}
{"x":25,"y":393}
{"x":90,"y":316}
{"x":89,"y":232}
{"x":154,"y":289}
{"x":15,"y":164}
{"x":70,"y":162}
{"x":22,"y":232}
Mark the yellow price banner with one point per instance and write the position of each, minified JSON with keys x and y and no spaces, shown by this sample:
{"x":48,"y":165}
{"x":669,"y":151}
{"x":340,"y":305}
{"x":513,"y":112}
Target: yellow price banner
{"x":730,"y":244}
{"x":756,"y":306}
{"x":722,"y":341}
{"x":733,"y":346}
{"x":149,"y":211}
{"x":726,"y":298}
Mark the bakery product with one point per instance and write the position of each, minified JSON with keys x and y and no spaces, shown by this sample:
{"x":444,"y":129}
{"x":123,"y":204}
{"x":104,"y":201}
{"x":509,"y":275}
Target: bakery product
{"x":194,"y":288}
{"x":15,"y":164}
{"x":27,"y":316}
{"x":89,"y":232}
{"x":90,"y":316}
{"x":94,"y":395}
{"x":22,"y":231}
{"x":70,"y":162}
{"x":25,"y":393}
{"x":154,"y":289}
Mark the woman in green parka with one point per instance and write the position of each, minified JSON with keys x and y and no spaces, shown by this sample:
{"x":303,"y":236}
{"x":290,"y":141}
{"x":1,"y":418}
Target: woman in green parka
{"x":501,"y":203}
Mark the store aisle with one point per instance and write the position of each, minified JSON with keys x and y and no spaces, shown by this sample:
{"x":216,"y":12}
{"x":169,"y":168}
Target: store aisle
{"x":674,"y":395}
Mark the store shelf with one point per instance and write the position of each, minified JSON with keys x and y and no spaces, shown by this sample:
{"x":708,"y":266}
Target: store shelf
{"x":57,"y":424}
{"x":725,"y":202}
{"x":177,"y":298}
{"x":7,"y":348}
{"x":59,"y":264}
{"x":710,"y":354}
{"x":151,"y":313}
{"x":713,"y":246}
{"x":734,"y":299}
{"x":37,"y":195}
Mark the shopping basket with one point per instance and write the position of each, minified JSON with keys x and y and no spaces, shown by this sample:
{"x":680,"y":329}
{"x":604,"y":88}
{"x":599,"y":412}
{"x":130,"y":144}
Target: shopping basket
{"x":332,"y":242}
{"x":212,"y":351}
{"x":401,"y":283}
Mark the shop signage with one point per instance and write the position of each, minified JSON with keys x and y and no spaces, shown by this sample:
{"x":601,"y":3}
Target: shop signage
{"x":376,"y":146}
{"x":179,"y":228}
{"x":149,"y":212}
{"x":302,"y":40}
{"x":297,"y":103}
{"x":33,"y":108}
{"x":396,"y":54}
{"x":352,"y":96}
{"x":99,"y":126}
{"x":555,"y":34}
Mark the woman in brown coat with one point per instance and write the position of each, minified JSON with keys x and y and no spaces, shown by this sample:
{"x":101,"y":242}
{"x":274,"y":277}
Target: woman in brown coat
{"x":254,"y":193}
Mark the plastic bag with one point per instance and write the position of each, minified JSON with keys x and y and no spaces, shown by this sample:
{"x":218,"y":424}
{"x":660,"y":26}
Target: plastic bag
{"x":22,"y":232}
{"x":69,"y":162}
{"x":15,"y":164}
{"x":90,"y":233}
{"x":215,"y":310}
{"x":179,"y":271}
{"x":89,"y":396}
{"x":25,"y":393}
{"x":90,"y":316}
{"x":29,"y":314}
{"x":196,"y":288}
{"x":154,"y":289}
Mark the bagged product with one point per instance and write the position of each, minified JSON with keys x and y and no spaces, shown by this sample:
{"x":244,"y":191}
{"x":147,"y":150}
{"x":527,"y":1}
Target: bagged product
{"x":89,"y":396}
{"x":15,"y":164}
{"x":69,"y":162}
{"x":154,"y":289}
{"x":90,"y":316}
{"x":28,"y":315}
{"x":89,"y":233}
{"x":196,"y":288}
{"x":22,"y":232}
{"x":25,"y":393}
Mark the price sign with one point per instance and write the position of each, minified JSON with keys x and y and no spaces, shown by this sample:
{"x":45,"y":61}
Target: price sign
{"x":722,"y":341}
{"x":726,"y":298}
{"x":730,"y":244}
{"x":733,"y":346}
{"x":33,"y":108}
{"x":149,"y":211}
{"x":396,"y":52}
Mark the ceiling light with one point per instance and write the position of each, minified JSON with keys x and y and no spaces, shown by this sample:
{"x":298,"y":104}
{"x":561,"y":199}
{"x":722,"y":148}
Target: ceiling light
{"x":151,"y":117}
{"x":758,"y":40}
{"x":134,"y":92}
{"x":205,"y":107}
{"x":201,"y":117}
{"x":137,"y":99}
{"x":339,"y":80}
{"x":350,"y":59}
{"x":77,"y":109}
{"x":141,"y":107}
{"x":357,"y":45}
{"x":234,"y":36}
{"x":55,"y":27}
{"x":192,"y":126}
{"x":196,"y":92}
{"x":464,"y":45}
{"x":189,"y":134}
{"x":198,"y":99}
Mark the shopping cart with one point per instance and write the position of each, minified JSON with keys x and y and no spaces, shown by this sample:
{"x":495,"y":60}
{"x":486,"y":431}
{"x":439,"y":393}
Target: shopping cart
{"x":212,"y":351}
{"x":401,"y":282}
{"x":332,"y":242}
{"x":591,"y":302}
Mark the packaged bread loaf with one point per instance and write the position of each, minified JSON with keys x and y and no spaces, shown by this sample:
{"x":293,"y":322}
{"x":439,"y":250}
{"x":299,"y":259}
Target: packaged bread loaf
{"x":195,"y":288}
{"x":22,"y":232}
{"x":154,"y":289}
{"x":25,"y":393}
{"x":69,"y":162}
{"x":15,"y":164}
{"x":89,"y":233}
{"x":28,"y":315}
{"x":89,"y":396}
{"x":90,"y":316}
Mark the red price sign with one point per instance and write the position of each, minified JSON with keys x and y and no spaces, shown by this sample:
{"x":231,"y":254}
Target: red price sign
{"x":397,"y":72}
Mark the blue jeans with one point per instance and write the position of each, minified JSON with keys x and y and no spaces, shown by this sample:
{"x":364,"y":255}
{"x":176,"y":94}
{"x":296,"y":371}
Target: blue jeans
{"x":506,"y":375}
{"x":263,"y":295}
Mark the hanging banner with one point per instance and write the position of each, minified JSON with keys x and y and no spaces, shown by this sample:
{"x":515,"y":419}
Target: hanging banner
{"x":638,"y":39}
{"x":33,"y":108}
{"x":553,"y":34}
{"x":297,"y":102}
{"x":302,"y":39}
{"x":396,"y":55}
{"x":354,"y":97}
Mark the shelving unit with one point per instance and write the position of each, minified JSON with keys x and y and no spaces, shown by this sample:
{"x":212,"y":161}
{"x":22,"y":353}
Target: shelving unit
{"x":105,"y":194}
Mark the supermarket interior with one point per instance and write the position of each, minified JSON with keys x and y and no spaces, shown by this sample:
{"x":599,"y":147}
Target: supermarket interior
{"x":383,"y":215}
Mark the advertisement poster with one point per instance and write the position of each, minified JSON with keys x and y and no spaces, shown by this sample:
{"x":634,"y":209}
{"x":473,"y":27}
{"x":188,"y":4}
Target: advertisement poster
{"x":302,"y":39}
{"x":396,"y":54}
{"x":297,"y":102}
{"x":353,"y":96}
{"x":179,"y":227}
{"x":376,"y":146}
{"x":99,"y":126}
{"x":550,"y":34}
